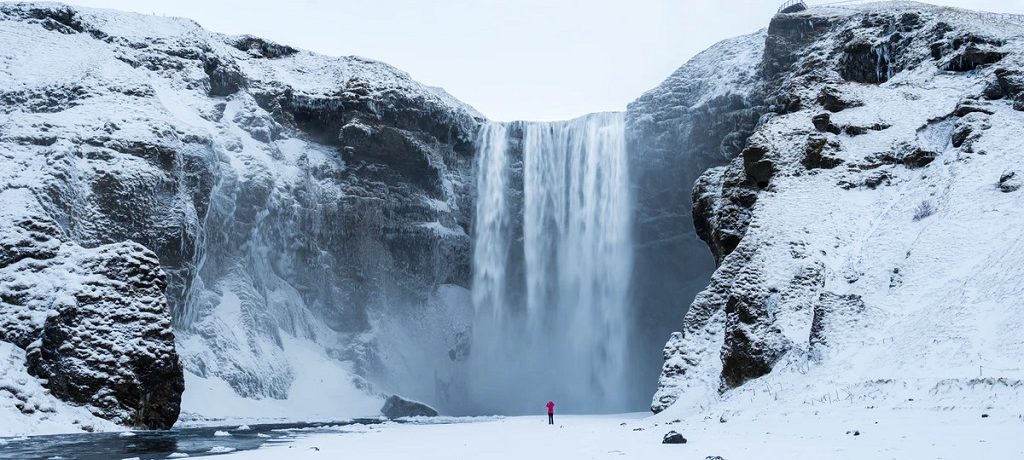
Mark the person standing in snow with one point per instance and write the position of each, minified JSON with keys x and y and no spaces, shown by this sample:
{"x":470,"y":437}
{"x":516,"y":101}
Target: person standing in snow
{"x":551,"y":412}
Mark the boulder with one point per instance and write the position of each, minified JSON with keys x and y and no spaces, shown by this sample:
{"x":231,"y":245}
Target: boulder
{"x":94,"y":322}
{"x":833,"y":100}
{"x":397,"y":407}
{"x":673,"y":437}
{"x":919,"y":158}
{"x":1010,"y":181}
{"x":823,"y":123}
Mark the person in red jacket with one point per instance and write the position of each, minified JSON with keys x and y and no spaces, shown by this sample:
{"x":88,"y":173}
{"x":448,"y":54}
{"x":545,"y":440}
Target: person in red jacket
{"x":551,"y":412}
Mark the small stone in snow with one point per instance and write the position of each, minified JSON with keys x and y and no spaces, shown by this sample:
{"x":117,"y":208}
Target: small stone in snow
{"x":673,"y":438}
{"x":984,"y":415}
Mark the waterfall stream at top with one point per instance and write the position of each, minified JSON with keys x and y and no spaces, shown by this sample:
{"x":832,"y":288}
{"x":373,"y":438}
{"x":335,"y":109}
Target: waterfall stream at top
{"x":552,"y":260}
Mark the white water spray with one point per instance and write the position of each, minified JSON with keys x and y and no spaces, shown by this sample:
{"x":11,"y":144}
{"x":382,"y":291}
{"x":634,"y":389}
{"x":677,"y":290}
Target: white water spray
{"x":552,"y":266}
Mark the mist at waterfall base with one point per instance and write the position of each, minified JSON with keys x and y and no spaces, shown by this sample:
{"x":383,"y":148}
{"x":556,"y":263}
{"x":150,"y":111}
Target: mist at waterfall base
{"x":551,"y":268}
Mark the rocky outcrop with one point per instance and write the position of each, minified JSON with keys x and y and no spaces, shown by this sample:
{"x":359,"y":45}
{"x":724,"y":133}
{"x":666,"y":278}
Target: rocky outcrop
{"x":698,"y":118}
{"x":284,"y":194}
{"x":794,"y":285}
{"x":94,"y":322}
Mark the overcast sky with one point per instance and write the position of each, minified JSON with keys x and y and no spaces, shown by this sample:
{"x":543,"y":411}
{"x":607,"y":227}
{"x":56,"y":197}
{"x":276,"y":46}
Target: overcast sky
{"x":512,"y":59}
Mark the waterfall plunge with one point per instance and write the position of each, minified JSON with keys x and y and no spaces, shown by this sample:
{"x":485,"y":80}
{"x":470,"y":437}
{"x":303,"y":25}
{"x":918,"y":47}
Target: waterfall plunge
{"x":552,"y":262}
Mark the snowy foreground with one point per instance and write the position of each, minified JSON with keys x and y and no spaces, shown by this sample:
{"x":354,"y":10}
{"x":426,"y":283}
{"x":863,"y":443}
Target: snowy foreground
{"x":823,"y":432}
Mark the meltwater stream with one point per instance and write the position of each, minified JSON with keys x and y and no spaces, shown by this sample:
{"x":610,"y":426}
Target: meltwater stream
{"x":552,"y":261}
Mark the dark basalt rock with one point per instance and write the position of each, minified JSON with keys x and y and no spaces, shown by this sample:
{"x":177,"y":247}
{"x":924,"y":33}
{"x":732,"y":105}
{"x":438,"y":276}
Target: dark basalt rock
{"x":673,"y":437}
{"x":878,"y":179}
{"x":757,"y":164}
{"x":971,"y":106}
{"x":851,"y":130}
{"x":823,"y":123}
{"x":753,"y":342}
{"x":261,"y":47}
{"x":123,"y":363}
{"x":49,"y":99}
{"x":397,"y":407}
{"x":816,"y":153}
{"x":918,"y":158}
{"x":1011,"y":86}
{"x":787,"y":37}
{"x":1011,"y":181}
{"x":867,"y":62}
{"x":967,"y":52}
{"x":968,"y":129}
{"x":833,"y":100}
{"x":225,"y":78}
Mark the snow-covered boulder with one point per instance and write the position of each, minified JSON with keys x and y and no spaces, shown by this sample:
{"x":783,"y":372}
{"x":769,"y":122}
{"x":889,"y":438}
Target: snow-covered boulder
{"x":397,"y":407}
{"x":94,"y":321}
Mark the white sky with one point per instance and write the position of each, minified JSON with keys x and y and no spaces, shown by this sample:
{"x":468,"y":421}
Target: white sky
{"x":522,"y":59}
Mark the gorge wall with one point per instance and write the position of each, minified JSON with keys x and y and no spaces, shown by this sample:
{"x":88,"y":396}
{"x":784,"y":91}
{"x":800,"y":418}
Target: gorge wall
{"x":864,"y":231}
{"x":244,"y":221}
{"x":296,"y":203}
{"x":314,"y":217}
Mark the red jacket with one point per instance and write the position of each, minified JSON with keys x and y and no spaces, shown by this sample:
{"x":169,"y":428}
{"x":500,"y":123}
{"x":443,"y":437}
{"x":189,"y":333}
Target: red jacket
{"x":551,"y":407}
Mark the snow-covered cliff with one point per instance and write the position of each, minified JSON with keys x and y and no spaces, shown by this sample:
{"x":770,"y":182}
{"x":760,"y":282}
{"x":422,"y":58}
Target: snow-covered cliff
{"x":298,"y":206}
{"x":869,"y":233}
{"x":287,"y":234}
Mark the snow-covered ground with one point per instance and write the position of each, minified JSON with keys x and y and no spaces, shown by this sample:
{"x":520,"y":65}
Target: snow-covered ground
{"x":26,"y":407}
{"x":821,"y":432}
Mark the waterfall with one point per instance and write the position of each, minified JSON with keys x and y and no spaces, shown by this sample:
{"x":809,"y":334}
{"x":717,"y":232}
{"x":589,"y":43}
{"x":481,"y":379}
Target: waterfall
{"x":551,"y":263}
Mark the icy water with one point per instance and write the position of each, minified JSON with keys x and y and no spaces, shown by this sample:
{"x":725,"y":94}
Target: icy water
{"x":145,"y":445}
{"x":551,"y":264}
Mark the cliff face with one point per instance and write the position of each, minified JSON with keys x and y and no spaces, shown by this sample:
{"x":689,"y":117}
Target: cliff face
{"x":864,"y":231}
{"x":696,"y":119}
{"x":283,"y":193}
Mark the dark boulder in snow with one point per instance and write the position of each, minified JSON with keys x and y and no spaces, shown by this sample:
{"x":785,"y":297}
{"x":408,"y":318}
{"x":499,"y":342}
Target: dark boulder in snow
{"x":673,"y":437}
{"x":833,"y":100}
{"x":919,"y":158}
{"x":397,"y":407}
{"x":1010,"y":181}
{"x":823,"y":123}
{"x":968,"y":52}
{"x":818,"y":153}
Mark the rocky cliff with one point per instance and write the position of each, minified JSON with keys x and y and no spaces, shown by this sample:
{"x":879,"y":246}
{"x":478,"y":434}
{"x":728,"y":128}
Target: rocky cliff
{"x":279,"y":196}
{"x":866,"y":231}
